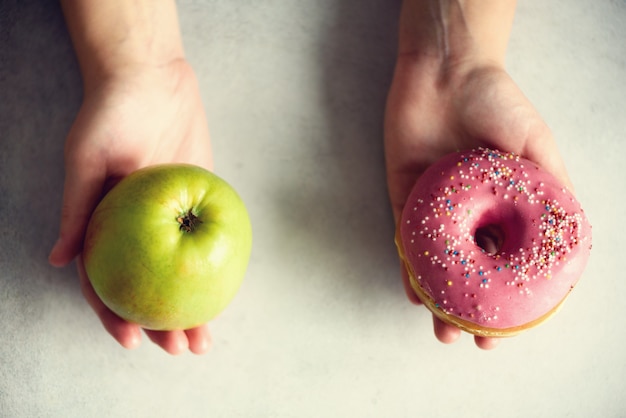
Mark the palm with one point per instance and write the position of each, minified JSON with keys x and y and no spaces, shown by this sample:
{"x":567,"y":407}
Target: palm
{"x":146,"y":119}
{"x":125,"y":124}
{"x":428,"y":117}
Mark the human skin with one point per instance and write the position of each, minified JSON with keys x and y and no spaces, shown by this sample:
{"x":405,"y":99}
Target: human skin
{"x":141,"y":106}
{"x":451,"y":91}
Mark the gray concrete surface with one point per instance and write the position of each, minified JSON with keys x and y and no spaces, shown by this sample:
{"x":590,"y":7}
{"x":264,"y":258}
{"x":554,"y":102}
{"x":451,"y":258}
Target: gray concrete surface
{"x":295,"y":94}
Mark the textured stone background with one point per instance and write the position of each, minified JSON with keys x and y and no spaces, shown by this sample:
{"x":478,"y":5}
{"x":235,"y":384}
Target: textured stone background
{"x":295,"y":92}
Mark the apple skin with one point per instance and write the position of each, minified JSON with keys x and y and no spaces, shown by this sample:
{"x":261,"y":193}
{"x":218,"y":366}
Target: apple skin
{"x":152,"y":270}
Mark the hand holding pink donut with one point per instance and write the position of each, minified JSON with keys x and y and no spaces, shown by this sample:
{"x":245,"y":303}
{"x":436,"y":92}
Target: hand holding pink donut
{"x":450,"y":92}
{"x":493,"y":244}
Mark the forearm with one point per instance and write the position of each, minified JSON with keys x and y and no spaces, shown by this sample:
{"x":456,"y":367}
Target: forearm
{"x":114,"y":36}
{"x":451,"y":32}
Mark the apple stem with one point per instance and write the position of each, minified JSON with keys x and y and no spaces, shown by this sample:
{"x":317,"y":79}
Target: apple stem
{"x":189,"y":222}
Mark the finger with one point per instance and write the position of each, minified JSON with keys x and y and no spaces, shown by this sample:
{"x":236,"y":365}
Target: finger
{"x":173,"y":342}
{"x":199,"y":339}
{"x":82,"y":190}
{"x":486,"y":343}
{"x":544,"y":151}
{"x":125,"y":333}
{"x":445,"y":333}
{"x":406,"y":283}
{"x":408,"y":289}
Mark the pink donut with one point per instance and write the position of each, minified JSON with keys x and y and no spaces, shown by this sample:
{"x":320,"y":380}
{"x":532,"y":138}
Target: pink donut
{"x":493,"y":244}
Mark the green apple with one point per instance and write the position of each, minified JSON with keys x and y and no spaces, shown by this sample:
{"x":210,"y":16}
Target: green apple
{"x":168,"y":246}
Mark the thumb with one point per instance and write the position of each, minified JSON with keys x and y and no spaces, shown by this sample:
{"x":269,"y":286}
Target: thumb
{"x":544,"y":151}
{"x":82,"y":189}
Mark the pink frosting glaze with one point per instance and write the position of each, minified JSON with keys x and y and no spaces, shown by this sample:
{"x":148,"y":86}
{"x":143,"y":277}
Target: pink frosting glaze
{"x":544,"y":238}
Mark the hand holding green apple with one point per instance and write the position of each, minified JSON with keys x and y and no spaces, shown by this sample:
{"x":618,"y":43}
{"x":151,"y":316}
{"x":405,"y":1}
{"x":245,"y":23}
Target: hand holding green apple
{"x":167,"y":247}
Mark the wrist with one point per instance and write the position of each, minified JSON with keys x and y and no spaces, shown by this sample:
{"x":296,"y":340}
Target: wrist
{"x":117,"y":37}
{"x":445,"y":35}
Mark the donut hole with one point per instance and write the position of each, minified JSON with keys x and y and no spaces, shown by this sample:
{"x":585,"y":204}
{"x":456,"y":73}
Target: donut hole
{"x":490,"y":238}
